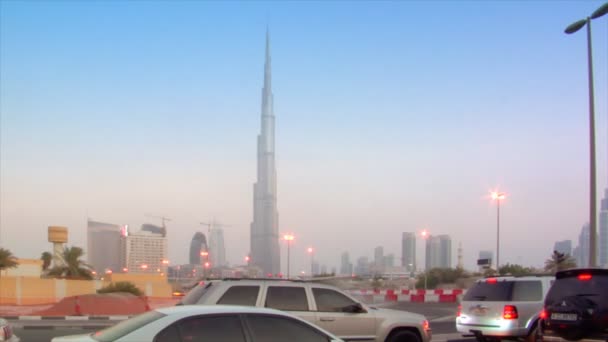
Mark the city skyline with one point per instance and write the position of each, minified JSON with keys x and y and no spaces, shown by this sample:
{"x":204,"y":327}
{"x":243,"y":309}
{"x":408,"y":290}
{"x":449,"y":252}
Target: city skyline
{"x":387,"y":127}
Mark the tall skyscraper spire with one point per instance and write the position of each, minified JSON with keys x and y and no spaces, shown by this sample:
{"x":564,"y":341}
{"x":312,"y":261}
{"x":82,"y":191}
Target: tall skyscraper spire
{"x":265,"y":252}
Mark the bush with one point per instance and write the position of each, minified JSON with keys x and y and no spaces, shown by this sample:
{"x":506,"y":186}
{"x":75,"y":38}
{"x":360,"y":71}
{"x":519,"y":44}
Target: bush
{"x":121,"y":286}
{"x":438,"y":276}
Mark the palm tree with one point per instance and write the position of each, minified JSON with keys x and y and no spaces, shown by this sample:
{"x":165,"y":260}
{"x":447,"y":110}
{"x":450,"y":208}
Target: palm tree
{"x":559,"y":261}
{"x":7,"y":259}
{"x":72,"y":266}
{"x":46,"y":258}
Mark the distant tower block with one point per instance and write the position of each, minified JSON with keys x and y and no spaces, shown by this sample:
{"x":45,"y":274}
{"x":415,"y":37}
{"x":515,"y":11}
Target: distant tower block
{"x":460,"y":264}
{"x":58,"y":236}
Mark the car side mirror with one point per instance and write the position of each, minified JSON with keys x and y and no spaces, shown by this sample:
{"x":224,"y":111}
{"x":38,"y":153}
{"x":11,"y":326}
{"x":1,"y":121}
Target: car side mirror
{"x":353,"y":308}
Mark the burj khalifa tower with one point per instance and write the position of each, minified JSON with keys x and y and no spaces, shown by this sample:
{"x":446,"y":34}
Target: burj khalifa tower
{"x":265,"y":252}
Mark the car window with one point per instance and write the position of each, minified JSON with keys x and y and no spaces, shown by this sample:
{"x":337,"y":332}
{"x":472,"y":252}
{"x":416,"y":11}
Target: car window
{"x":211,"y":328}
{"x":592,"y":289}
{"x":240,"y":295}
{"x":170,"y":334}
{"x":265,"y":328}
{"x":195,"y":294}
{"x":330,"y":301}
{"x":527,"y":291}
{"x":126,"y":327}
{"x":286,"y":298}
{"x":498,"y":291}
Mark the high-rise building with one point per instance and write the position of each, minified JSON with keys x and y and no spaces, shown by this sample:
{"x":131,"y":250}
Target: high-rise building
{"x":564,"y":246}
{"x":265,"y":252}
{"x":324,"y":269}
{"x":582,"y":257}
{"x":145,"y":252}
{"x":408,"y":251}
{"x":438,"y":252}
{"x":197,"y":246}
{"x":346,"y":267}
{"x":603,"y":232}
{"x":389,"y":261}
{"x":362,"y":268}
{"x":217,"y":249}
{"x":315,"y":268}
{"x":104,"y":246}
{"x":378,"y":267}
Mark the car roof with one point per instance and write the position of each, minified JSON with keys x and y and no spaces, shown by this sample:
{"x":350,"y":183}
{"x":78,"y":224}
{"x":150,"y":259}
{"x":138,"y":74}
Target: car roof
{"x":576,"y":271}
{"x":271,"y":281}
{"x":217,"y":309}
{"x":518,"y":278}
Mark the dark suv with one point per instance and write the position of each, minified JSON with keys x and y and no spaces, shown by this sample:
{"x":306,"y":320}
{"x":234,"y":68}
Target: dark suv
{"x":576,"y":307}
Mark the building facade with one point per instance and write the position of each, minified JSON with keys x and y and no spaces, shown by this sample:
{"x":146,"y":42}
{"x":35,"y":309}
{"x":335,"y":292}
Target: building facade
{"x":438,"y":252}
{"x":582,"y":250}
{"x":265,"y":252}
{"x":346,"y":267}
{"x":104,"y":246}
{"x":198,"y":245}
{"x":603,"y":232}
{"x":408,"y":251}
{"x":145,"y":252}
{"x":217,"y":248}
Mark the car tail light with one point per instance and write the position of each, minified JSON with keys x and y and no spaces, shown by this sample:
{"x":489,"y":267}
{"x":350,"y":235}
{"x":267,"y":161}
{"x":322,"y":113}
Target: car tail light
{"x":510,"y":312}
{"x":459,"y":310}
{"x":425,"y":325}
{"x":584,"y":276}
{"x":543,"y":314}
{"x":491,"y":280}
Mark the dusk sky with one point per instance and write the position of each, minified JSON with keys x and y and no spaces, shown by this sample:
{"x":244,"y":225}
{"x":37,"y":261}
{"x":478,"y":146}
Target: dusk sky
{"x":391,"y":117}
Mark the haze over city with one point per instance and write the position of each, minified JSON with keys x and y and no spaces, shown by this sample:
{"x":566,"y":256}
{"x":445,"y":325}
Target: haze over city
{"x":390,"y":117}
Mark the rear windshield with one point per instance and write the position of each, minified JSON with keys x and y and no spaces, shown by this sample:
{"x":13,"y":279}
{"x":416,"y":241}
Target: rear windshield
{"x":594,"y":289}
{"x":195,"y":294}
{"x":126,"y":327}
{"x":506,"y":291}
{"x":491,"y":292}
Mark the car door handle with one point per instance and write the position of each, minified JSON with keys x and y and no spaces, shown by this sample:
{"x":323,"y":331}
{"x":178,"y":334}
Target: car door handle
{"x":327,"y":319}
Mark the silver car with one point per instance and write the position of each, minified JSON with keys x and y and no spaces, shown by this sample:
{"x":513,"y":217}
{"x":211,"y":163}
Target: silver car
{"x":503,"y":307}
{"x":322,"y":305}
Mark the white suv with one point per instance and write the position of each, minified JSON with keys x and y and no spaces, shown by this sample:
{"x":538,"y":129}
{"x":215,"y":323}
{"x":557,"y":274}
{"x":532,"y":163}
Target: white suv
{"x":503,"y":308}
{"x":322,"y":305}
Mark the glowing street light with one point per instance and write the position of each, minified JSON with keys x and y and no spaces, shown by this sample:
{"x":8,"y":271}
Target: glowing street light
{"x":165,"y":262}
{"x":497,"y":196}
{"x":289,"y":238}
{"x":144,"y":267}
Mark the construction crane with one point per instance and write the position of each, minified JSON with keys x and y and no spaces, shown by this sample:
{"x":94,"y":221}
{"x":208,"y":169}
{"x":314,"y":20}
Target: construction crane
{"x":213,"y":223}
{"x":162,"y":218}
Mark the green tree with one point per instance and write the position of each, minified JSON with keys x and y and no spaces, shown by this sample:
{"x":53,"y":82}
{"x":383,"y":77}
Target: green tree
{"x":515,"y":270}
{"x":559,"y":261}
{"x":72,"y":266}
{"x":7,"y":259}
{"x":121,"y":286}
{"x":46,"y":258}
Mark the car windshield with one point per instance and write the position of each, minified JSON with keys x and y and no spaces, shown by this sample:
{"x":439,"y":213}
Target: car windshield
{"x":195,"y":294}
{"x":126,"y":327}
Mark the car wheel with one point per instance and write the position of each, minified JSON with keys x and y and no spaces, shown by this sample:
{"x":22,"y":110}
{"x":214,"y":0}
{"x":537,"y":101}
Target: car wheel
{"x":533,"y":335}
{"x":403,"y":336}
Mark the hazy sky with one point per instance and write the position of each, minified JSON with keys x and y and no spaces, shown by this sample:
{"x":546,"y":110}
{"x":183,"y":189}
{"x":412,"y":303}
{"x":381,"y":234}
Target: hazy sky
{"x":391,"y":117}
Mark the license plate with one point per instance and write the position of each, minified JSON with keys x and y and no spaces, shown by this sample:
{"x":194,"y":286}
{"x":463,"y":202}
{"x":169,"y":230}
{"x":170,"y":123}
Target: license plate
{"x":564,"y":317}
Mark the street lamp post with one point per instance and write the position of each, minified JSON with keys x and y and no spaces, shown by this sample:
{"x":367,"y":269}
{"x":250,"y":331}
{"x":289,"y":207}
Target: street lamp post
{"x":288,"y":238}
{"x":310,"y":251}
{"x":592,"y":172}
{"x":498,"y":196}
